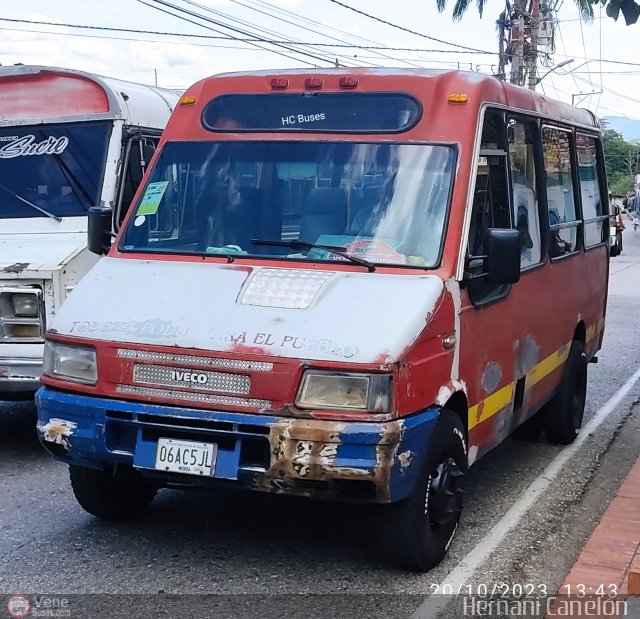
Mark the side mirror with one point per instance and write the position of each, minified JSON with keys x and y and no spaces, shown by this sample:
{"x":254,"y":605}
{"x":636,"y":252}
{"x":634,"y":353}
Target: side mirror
{"x":502,"y":261}
{"x":99,"y":229}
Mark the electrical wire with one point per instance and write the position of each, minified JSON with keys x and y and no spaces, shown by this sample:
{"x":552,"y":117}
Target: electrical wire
{"x":240,"y":39}
{"x":279,"y":53}
{"x":296,"y":25}
{"x":419,"y":34}
{"x":245,"y":24}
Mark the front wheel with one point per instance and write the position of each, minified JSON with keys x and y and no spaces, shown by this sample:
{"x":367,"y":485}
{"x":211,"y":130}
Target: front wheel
{"x":418,"y":530}
{"x":564,"y":413}
{"x":111,"y":495}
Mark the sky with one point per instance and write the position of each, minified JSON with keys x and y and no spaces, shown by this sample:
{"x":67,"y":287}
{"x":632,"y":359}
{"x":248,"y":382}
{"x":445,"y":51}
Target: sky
{"x":177,"y":62}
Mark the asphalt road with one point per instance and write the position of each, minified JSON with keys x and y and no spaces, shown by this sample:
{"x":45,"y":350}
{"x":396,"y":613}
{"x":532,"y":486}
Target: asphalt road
{"x":257,"y":545}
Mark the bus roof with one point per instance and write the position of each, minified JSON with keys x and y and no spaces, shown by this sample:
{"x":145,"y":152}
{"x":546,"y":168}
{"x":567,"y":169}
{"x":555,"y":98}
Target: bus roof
{"x":30,"y":94}
{"x":430,"y":85}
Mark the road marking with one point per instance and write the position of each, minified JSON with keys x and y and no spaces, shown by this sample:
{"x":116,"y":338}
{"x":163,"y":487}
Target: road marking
{"x":461,"y":574}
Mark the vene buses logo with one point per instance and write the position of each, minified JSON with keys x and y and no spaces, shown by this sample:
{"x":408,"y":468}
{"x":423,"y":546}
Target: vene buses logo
{"x":18,"y":606}
{"x":198,"y":378}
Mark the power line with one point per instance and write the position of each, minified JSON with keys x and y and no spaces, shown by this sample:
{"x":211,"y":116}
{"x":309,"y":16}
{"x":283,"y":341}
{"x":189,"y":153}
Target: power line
{"x":419,"y":34}
{"x":98,"y":36}
{"x":265,"y":11}
{"x":157,"y":8}
{"x":319,"y":55}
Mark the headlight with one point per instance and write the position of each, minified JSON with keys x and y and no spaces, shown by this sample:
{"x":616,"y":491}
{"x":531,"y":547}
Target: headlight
{"x":25,"y":304}
{"x":343,"y":390}
{"x":73,"y":363}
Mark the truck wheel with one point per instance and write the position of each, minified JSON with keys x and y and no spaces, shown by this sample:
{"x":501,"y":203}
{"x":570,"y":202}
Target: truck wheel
{"x":564,"y":413}
{"x":531,"y":429}
{"x":418,"y":530}
{"x":619,"y":243}
{"x":111,"y":495}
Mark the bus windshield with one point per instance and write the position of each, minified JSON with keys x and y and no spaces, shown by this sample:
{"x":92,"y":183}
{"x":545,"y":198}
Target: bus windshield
{"x":385,"y":203}
{"x":57,"y":168}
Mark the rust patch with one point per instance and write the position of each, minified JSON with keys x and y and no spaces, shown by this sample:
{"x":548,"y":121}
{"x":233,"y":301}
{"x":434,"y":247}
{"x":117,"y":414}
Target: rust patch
{"x":17,"y":267}
{"x":58,"y":431}
{"x":306,"y":449}
{"x":405,"y":459}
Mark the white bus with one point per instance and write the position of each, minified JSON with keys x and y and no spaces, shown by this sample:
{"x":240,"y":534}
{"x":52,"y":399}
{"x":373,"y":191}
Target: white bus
{"x":68,"y":141}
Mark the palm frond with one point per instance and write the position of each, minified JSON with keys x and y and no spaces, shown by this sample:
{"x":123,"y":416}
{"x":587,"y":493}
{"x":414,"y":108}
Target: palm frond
{"x":460,"y":8}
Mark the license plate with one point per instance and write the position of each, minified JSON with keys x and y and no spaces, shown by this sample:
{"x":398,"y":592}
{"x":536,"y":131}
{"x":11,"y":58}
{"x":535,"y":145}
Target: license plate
{"x":186,"y":457}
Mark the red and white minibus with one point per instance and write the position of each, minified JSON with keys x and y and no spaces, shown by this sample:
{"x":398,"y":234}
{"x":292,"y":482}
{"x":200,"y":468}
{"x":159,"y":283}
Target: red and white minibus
{"x":345,"y":284}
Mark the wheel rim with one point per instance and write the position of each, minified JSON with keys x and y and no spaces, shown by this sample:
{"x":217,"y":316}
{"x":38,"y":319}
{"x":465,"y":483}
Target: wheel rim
{"x":445,"y":494}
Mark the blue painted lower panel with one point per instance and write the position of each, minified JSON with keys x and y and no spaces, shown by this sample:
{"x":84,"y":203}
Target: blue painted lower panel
{"x":377,"y":462}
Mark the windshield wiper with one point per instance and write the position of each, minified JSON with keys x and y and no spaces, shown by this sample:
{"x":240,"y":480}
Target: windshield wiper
{"x":31,"y":204}
{"x":338,"y":251}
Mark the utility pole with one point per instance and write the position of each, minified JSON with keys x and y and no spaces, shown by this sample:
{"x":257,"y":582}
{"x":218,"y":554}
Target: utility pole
{"x":524,"y":27}
{"x":532,"y":54}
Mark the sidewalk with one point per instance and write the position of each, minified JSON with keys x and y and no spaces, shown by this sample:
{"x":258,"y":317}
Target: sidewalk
{"x":609,"y":564}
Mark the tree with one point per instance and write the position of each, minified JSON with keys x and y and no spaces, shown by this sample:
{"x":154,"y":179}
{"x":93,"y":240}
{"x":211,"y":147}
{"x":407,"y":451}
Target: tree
{"x":630,"y":9}
{"x":621,"y":160}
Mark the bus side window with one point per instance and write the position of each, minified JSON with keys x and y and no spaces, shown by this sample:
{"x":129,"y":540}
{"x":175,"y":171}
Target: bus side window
{"x":594,"y":211}
{"x":563,"y":217}
{"x":139,"y":151}
{"x":491,"y":207}
{"x":523,"y":142}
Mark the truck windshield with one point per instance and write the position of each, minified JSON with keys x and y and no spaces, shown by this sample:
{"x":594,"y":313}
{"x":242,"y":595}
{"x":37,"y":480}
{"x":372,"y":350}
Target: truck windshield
{"x":59,"y":168}
{"x":382,"y":202}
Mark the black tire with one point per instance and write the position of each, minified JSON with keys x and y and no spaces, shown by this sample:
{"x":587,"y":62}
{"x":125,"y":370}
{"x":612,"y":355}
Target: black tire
{"x":564,"y":413}
{"x":615,"y":249}
{"x":531,"y":429}
{"x":111,"y":495}
{"x":619,"y":243}
{"x":418,"y":531}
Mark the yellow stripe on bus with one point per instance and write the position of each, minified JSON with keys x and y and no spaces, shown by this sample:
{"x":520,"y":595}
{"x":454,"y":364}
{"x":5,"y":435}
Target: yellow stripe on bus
{"x":548,"y":365}
{"x":493,"y":404}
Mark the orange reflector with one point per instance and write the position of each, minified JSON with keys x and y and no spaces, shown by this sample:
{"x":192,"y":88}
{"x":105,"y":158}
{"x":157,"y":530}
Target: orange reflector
{"x":313,"y":82}
{"x":457,"y":98}
{"x":279,"y":83}
{"x":187,"y":100}
{"x":348,"y":82}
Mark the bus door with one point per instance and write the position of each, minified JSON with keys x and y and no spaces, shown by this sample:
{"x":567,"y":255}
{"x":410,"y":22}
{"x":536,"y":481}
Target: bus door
{"x":500,"y":324}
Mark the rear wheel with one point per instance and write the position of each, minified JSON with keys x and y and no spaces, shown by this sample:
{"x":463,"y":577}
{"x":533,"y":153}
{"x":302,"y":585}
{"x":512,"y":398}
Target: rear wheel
{"x":111,"y":495}
{"x":418,"y":531}
{"x":564,"y":413}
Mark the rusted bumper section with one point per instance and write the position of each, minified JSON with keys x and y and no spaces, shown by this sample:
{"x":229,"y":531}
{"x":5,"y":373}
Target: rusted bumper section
{"x":375,"y":462}
{"x":355,"y":461}
{"x":19,"y":377}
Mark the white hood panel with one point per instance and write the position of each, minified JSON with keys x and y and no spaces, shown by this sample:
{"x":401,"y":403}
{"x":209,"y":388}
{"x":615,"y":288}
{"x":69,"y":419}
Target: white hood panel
{"x":33,"y":251}
{"x":343,"y":316}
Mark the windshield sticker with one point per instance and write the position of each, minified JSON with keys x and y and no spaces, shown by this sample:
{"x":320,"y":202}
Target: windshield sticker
{"x":374,"y":251}
{"x":26,"y":145}
{"x":152,"y":198}
{"x":139,"y":220}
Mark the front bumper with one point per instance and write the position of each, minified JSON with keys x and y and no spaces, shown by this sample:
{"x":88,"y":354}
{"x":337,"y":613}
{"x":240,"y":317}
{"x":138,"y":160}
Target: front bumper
{"x":19,"y":377}
{"x":372,"y":462}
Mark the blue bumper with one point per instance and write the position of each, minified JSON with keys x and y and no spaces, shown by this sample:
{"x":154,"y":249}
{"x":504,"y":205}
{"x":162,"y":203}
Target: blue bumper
{"x":373,"y":462}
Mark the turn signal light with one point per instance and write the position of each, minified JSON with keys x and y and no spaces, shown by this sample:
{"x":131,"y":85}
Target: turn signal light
{"x":313,"y":83}
{"x":458,"y":98}
{"x":187,"y":100}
